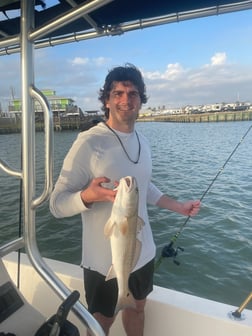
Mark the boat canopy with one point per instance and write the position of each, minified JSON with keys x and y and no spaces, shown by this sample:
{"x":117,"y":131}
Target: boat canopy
{"x":65,"y":21}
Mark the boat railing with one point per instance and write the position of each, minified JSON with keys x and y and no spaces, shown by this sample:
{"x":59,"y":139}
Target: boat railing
{"x":29,"y":239}
{"x":28,"y":167}
{"x":11,"y":246}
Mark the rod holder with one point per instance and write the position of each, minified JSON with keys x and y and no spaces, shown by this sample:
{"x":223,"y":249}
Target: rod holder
{"x":238,"y":313}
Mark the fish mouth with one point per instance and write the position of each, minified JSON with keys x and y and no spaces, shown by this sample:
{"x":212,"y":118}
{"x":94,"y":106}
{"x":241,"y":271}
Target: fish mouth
{"x":130,"y":182}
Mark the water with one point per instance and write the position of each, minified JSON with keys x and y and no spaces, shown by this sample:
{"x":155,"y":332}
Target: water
{"x":216,"y":262}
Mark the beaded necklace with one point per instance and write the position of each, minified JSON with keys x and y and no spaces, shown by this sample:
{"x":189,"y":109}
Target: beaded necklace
{"x":122,"y":145}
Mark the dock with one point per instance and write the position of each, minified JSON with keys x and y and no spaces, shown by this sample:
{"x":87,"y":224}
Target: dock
{"x":200,"y":117}
{"x":60,"y":124}
{"x":84,"y":123}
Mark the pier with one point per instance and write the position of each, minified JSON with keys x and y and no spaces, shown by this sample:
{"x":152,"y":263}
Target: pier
{"x":59,"y":123}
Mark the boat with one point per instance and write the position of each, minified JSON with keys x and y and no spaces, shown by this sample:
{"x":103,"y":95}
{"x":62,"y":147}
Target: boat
{"x":40,"y":296}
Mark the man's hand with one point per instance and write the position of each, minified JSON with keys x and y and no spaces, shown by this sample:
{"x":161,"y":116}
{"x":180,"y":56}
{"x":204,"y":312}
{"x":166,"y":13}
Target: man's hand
{"x":191,"y":208}
{"x":95,"y":192}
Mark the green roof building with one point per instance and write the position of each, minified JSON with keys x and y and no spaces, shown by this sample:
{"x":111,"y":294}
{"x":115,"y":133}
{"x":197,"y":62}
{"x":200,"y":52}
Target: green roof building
{"x":59,"y":105}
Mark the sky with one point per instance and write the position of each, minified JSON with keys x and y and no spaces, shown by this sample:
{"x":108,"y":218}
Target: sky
{"x":201,"y":61}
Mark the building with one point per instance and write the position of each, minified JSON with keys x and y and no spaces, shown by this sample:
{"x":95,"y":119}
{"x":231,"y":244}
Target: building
{"x":60,"y":106}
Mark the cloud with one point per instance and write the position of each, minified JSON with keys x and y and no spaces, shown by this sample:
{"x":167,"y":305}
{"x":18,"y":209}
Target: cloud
{"x":218,"y":59}
{"x":10,"y":79}
{"x":101,"y":61}
{"x":80,"y":77}
{"x":80,"y":61}
{"x":152,"y":75}
{"x":98,"y":61}
{"x":215,"y":81}
{"x":174,"y":71}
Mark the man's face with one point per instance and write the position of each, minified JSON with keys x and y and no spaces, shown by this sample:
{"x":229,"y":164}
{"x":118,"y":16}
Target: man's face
{"x":124,"y":102}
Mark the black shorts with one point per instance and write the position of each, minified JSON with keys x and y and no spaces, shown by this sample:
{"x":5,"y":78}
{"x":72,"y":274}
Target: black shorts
{"x":101,"y":295}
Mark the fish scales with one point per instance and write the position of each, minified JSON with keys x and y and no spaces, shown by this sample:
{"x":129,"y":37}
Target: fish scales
{"x":122,"y":229}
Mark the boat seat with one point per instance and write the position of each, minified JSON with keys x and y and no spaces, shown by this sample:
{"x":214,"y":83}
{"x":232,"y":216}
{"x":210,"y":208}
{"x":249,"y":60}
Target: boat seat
{"x":19,"y":318}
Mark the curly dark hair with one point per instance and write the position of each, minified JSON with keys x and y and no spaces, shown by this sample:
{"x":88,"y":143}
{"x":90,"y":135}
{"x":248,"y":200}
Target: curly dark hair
{"x":125,"y":73}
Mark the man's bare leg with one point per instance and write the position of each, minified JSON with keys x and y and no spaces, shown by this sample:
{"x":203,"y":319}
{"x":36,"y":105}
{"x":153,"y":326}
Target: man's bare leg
{"x":133,"y":319}
{"x":105,"y":322}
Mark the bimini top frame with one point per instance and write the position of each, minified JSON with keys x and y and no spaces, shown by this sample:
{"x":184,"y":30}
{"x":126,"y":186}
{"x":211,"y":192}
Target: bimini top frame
{"x":75,"y":20}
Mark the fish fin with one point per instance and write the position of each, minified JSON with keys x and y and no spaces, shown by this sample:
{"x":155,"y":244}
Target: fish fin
{"x":137,"y":253}
{"x":108,"y":228}
{"x":124,"y":226}
{"x":140,"y":224}
{"x":111,"y":273}
{"x":123,"y":302}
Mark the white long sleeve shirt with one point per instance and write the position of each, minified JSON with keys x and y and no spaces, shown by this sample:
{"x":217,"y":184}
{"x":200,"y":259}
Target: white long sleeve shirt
{"x":96,"y":153}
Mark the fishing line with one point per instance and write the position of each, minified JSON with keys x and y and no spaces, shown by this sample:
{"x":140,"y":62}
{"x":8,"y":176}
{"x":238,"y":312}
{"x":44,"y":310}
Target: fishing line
{"x":20,"y":216}
{"x":169,"y":251}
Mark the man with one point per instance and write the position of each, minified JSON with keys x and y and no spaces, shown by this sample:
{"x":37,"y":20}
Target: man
{"x":94,"y":164}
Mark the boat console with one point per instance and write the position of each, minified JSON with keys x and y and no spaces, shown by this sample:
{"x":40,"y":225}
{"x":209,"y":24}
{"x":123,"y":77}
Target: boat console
{"x":18,"y":317}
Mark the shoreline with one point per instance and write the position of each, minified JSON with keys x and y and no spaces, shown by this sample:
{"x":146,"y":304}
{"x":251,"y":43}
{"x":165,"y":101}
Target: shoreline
{"x":82,"y":125}
{"x":59,"y":125}
{"x":201,"y":117}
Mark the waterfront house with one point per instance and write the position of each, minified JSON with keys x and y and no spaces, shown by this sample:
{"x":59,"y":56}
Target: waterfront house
{"x":60,"y":106}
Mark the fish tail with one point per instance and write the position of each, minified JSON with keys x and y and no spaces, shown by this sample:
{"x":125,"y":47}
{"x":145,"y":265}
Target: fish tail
{"x":125,"y":301}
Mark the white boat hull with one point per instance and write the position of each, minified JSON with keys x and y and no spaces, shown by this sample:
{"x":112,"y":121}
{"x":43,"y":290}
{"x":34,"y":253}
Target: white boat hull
{"x":167,"y":312}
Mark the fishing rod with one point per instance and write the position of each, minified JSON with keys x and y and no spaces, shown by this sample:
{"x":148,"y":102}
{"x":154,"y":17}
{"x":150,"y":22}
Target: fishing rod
{"x":169,"y":251}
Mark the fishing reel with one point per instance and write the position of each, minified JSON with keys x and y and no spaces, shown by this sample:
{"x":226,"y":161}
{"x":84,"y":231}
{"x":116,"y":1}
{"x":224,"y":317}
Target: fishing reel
{"x":169,"y":251}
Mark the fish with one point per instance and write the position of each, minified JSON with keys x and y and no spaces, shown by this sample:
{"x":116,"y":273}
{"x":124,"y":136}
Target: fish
{"x":122,"y":229}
